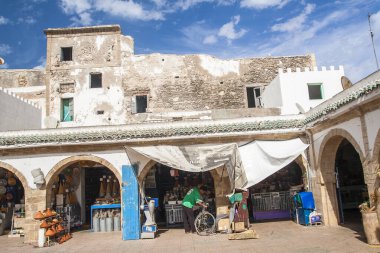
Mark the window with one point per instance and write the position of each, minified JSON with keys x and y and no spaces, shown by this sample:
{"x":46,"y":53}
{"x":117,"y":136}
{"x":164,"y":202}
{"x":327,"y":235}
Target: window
{"x":67,"y":110}
{"x":66,"y":53}
{"x":254,"y":97}
{"x":96,"y":80}
{"x":139,"y":103}
{"x":315,"y":90}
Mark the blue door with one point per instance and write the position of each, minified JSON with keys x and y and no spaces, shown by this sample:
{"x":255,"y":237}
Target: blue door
{"x":130,"y":204}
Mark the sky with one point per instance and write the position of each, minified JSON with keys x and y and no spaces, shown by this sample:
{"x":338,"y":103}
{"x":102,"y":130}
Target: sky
{"x":337,"y":32}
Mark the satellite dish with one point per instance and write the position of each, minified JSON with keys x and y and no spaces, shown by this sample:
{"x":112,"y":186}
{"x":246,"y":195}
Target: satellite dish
{"x":300,"y":108}
{"x":346,"y":83}
{"x":51,"y":122}
{"x":2,"y":61}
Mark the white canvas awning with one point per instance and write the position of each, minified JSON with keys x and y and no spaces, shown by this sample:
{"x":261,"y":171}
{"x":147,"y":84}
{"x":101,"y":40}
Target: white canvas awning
{"x":263,"y":158}
{"x":246,"y":165}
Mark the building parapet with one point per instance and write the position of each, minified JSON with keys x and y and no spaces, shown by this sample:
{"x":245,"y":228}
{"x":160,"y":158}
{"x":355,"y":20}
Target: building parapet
{"x":86,"y":29}
{"x":307,"y":69}
{"x":19,"y":98}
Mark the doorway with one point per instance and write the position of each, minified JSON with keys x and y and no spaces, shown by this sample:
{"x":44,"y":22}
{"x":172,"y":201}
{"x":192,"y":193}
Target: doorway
{"x":351,"y":188}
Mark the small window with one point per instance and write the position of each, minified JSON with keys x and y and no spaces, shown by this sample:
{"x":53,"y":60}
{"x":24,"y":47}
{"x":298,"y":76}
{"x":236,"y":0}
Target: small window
{"x":315,"y":90}
{"x":67,"y":110}
{"x":254,"y":97}
{"x":96,"y":80}
{"x":66,"y":53}
{"x":139,"y":103}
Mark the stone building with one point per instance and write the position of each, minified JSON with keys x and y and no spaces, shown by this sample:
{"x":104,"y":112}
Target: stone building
{"x":99,"y":97}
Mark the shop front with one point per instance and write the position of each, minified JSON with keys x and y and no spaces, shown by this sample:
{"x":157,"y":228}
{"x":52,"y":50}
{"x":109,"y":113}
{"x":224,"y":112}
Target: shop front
{"x":82,"y":195}
{"x":12,"y":204}
{"x":166,"y":173}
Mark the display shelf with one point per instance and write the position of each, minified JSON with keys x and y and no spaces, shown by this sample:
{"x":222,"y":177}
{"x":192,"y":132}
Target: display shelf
{"x":104,"y":206}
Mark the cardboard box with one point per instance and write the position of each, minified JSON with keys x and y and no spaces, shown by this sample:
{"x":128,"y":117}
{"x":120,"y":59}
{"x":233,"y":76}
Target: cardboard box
{"x":222,"y":210}
{"x":223,"y":224}
{"x":238,"y":226}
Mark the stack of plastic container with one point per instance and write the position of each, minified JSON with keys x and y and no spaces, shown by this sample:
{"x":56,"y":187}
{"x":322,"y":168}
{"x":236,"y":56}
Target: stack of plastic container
{"x":304,"y":203}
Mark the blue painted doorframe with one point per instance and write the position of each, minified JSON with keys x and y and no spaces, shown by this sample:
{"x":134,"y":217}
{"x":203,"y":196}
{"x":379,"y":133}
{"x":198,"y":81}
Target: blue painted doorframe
{"x":130,"y":203}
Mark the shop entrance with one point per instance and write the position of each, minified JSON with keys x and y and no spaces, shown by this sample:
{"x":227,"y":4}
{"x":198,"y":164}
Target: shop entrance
{"x":351,"y":188}
{"x":272,"y":198}
{"x":81,"y":191}
{"x":170,"y":187}
{"x":12,"y":202}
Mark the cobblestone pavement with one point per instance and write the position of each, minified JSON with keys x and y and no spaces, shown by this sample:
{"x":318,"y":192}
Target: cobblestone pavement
{"x":280,"y":236}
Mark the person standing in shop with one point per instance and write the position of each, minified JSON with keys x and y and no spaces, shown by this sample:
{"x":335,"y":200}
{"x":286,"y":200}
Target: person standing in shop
{"x":192,"y":198}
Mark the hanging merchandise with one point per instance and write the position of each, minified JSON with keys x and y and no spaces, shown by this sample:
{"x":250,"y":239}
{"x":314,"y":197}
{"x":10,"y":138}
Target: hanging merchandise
{"x":102,"y":192}
{"x":60,"y":188}
{"x":114,"y":188}
{"x":108,"y":190}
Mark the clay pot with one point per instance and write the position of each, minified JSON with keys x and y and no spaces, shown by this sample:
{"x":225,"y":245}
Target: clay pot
{"x":54,"y":213}
{"x":50,"y":232}
{"x":60,"y":228}
{"x":48,"y":213}
{"x":39,"y":216}
{"x":55,"y":221}
{"x":44,"y":224}
{"x":12,"y":181}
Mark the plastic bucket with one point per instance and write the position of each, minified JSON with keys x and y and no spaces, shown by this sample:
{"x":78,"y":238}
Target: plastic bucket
{"x":102,"y":225}
{"x":96,"y":224}
{"x":109,"y":224}
{"x":116,"y":223}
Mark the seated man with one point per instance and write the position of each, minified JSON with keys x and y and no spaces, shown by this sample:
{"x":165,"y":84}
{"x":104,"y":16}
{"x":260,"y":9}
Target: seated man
{"x":192,"y":198}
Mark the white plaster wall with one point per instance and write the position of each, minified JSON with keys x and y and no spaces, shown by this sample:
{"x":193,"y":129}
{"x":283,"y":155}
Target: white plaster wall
{"x":373,"y":124}
{"x":352,"y":126}
{"x":272,"y":95}
{"x":294,"y":88}
{"x":46,"y":162}
{"x":17,"y":113}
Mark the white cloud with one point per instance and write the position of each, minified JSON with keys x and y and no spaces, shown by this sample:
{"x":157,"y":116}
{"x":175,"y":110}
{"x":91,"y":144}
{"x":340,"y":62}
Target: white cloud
{"x":83,"y":18}
{"x":210,"y":39}
{"x":75,"y":6}
{"x":127,"y":9}
{"x":295,"y":23}
{"x":262,"y":4}
{"x":195,"y":35}
{"x":3,"y":20}
{"x":4,"y":66}
{"x":5,"y":49}
{"x":229,"y":31}
{"x":28,"y":20}
{"x":41,"y":63}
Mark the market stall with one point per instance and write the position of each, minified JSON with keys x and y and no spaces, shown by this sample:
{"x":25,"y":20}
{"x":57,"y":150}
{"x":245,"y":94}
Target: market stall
{"x":272,"y":197}
{"x":85,"y":195}
{"x":170,"y":186}
{"x":12,"y":203}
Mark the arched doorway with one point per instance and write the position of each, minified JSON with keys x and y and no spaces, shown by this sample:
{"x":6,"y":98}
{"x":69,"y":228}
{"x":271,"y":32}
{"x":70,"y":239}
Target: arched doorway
{"x":333,"y":148}
{"x":272,"y":198}
{"x":350,"y":185}
{"x":78,"y":183}
{"x":12,"y":197}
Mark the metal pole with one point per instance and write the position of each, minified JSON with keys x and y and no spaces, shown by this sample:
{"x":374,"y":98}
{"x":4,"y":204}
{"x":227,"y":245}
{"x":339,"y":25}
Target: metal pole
{"x":373,"y":44}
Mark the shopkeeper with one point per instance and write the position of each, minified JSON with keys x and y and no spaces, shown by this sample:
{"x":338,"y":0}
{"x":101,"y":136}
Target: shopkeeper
{"x":192,"y":198}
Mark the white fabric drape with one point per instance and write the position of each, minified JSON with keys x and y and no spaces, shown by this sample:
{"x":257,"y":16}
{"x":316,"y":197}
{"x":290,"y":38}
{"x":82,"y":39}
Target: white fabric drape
{"x":246,"y":165}
{"x":263,"y":158}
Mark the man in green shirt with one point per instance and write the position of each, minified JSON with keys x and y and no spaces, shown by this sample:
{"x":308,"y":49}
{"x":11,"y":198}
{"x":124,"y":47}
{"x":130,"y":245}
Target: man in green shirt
{"x":192,"y":198}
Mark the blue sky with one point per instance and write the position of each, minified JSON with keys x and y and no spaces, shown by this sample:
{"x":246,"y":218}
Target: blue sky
{"x":336,"y":31}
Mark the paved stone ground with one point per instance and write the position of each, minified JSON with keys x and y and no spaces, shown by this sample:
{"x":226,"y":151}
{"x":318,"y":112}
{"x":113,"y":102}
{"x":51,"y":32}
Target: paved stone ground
{"x":280,"y":236}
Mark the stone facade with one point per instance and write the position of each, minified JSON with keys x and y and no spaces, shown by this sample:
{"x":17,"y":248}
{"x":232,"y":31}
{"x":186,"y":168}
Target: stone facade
{"x":172,"y":83}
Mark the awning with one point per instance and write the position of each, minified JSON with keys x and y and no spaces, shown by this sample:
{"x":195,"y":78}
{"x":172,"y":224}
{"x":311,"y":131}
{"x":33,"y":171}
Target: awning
{"x":246,"y":165}
{"x":263,"y":158}
{"x":197,"y":158}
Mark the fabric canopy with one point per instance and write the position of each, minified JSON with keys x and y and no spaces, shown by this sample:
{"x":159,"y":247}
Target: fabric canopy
{"x":197,"y":158}
{"x":263,"y":158}
{"x":246,"y":165}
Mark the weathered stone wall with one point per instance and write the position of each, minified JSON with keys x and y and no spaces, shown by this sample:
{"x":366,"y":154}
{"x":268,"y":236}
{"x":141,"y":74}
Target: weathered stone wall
{"x":198,"y":82}
{"x":172,"y":83}
{"x":13,"y":78}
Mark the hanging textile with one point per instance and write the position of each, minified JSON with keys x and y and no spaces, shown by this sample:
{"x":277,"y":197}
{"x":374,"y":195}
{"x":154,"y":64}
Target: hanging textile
{"x":263,"y":158}
{"x":197,"y":158}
